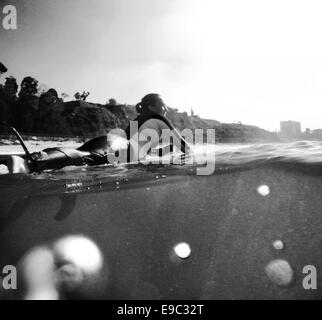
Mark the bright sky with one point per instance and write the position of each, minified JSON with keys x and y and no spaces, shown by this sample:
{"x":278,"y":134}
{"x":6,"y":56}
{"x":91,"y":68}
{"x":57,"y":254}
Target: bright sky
{"x":252,"y":61}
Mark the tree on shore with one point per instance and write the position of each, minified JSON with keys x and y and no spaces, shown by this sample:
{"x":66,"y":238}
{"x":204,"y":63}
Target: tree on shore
{"x":28,"y":88}
{"x":49,"y":98}
{"x":78,"y":96}
{"x":112,"y":102}
{"x":84,"y":95}
{"x":11,"y":87}
{"x":25,"y":114}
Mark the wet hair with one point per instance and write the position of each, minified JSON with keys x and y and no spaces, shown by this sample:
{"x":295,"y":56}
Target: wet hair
{"x":148,"y":100}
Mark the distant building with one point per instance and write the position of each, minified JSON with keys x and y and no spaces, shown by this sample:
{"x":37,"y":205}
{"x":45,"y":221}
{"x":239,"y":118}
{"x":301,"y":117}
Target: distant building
{"x":290,"y":129}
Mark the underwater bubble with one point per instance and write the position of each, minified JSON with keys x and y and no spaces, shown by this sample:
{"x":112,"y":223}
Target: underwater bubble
{"x":37,"y":268}
{"x":182,"y":250}
{"x":80,"y":267}
{"x":280,"y":272}
{"x":278,"y":245}
{"x":80,"y":251}
{"x":263,"y":190}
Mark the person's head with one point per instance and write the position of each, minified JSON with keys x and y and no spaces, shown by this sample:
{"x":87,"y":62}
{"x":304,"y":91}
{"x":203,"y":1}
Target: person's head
{"x":151,"y":104}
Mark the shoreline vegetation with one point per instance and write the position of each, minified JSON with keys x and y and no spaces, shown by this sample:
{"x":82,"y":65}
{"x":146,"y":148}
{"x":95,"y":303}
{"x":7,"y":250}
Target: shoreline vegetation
{"x":36,"y":111}
{"x":39,"y":112}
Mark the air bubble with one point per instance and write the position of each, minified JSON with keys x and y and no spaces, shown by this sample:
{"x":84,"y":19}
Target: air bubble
{"x":263,"y":190}
{"x":182,"y":250}
{"x":81,"y":251}
{"x":278,"y":245}
{"x":280,"y":272}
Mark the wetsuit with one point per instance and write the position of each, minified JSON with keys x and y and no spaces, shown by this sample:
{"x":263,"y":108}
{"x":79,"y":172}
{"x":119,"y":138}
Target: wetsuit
{"x":94,"y":152}
{"x":158,"y":123}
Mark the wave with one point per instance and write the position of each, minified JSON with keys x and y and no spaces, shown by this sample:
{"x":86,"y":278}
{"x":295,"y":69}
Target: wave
{"x":297,"y":155}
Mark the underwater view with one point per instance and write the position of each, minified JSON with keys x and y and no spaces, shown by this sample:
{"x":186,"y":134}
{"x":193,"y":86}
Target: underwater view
{"x":163,"y":232}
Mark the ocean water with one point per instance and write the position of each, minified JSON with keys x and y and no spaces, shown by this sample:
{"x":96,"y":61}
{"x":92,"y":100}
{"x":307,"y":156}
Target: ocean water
{"x":226,"y":157}
{"x":306,"y":152}
{"x":244,"y":232}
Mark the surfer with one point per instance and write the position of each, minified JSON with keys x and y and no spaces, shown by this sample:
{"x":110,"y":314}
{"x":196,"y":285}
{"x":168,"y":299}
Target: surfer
{"x":152,"y":116}
{"x":151,"y":112}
